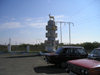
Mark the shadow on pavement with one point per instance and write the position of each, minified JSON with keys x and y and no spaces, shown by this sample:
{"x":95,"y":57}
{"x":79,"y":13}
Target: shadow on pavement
{"x":22,"y":56}
{"x":51,"y":69}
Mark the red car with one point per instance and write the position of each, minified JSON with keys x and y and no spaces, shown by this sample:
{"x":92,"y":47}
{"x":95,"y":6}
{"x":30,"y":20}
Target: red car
{"x":84,"y":67}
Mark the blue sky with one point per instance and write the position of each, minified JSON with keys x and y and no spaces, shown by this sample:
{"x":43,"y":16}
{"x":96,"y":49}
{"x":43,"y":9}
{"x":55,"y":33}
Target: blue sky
{"x":24,"y":21}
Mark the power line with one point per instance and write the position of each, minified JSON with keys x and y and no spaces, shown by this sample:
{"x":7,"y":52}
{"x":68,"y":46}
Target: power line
{"x":69,"y":23}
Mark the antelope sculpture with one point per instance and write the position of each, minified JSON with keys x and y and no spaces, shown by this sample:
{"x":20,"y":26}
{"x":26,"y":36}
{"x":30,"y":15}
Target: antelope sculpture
{"x":51,"y":17}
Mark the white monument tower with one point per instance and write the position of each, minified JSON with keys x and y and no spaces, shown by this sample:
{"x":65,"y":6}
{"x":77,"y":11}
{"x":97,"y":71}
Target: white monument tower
{"x":51,"y":35}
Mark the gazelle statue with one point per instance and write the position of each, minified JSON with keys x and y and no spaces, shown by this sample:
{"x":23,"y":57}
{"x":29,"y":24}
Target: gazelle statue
{"x":51,"y":17}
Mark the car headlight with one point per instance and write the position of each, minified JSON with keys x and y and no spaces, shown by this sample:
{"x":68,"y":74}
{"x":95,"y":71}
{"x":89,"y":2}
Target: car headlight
{"x":82,"y":71}
{"x":85,"y":72}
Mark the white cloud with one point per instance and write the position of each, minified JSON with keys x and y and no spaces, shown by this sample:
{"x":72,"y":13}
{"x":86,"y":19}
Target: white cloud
{"x":28,"y":19}
{"x":38,"y":24}
{"x":59,"y":16}
{"x":41,"y":22}
{"x":10,"y":25}
{"x":36,"y":18}
{"x":13,"y":18}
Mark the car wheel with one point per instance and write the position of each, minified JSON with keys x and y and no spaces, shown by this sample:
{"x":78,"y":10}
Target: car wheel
{"x":67,"y":70}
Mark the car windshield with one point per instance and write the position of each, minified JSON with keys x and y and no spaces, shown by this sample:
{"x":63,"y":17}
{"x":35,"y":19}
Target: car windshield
{"x":96,"y":52}
{"x":59,"y":50}
{"x":81,"y":51}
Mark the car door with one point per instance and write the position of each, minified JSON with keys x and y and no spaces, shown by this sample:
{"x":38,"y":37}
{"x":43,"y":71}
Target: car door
{"x":62,"y":55}
{"x":72,"y":54}
{"x":68,"y":54}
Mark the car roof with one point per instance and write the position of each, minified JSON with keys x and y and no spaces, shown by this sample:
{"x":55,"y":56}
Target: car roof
{"x":71,"y":47}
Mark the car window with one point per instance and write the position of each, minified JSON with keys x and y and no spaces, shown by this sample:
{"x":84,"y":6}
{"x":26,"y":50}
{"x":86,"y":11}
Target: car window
{"x":96,"y":52}
{"x":59,"y":50}
{"x":63,"y":51}
{"x":76,"y":51}
{"x":81,"y":51}
{"x":67,"y":52}
{"x":70,"y":51}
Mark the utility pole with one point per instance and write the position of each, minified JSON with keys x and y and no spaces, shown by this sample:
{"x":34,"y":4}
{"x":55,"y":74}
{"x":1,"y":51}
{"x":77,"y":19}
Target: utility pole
{"x":9,"y":45}
{"x":61,"y":29}
{"x":69,"y":23}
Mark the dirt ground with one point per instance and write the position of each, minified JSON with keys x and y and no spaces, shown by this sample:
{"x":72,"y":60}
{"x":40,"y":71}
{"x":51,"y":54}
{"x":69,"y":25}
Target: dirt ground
{"x":18,"y":64}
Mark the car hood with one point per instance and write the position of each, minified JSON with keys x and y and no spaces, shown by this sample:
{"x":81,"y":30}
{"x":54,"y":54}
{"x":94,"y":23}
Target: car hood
{"x":50,"y":54}
{"x":86,"y":63}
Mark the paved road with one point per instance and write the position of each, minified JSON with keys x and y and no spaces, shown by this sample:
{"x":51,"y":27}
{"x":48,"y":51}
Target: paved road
{"x":27,"y":65}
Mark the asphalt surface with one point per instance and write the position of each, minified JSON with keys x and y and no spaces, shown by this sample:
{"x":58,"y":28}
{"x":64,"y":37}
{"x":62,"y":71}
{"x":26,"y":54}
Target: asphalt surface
{"x":18,"y":64}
